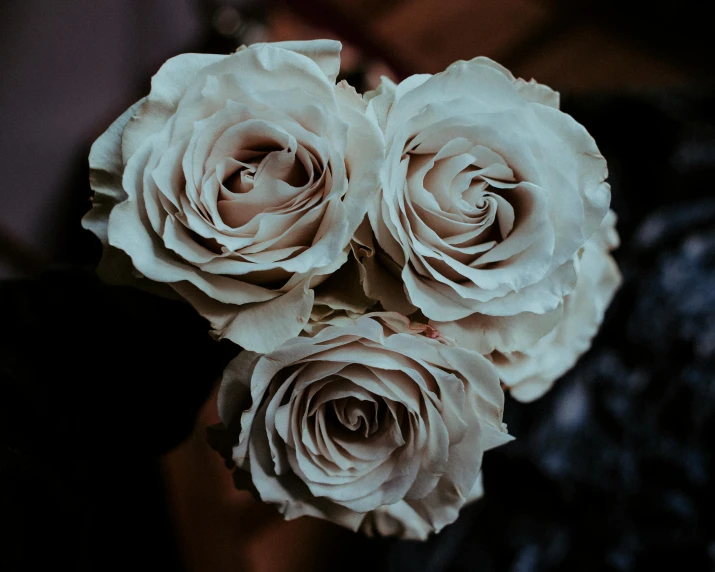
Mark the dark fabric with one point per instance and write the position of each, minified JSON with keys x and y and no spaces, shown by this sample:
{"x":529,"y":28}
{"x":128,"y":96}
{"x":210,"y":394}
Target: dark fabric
{"x":91,"y":393}
{"x":612,"y":470}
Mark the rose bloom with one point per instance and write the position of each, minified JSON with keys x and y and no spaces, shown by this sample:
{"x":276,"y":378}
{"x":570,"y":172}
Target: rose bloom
{"x":487,"y":194}
{"x":238,"y":182}
{"x":369,"y":424}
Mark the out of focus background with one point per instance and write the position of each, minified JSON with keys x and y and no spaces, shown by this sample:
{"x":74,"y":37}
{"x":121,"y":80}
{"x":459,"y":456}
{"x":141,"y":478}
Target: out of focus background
{"x":103,"y":460}
{"x":69,"y":67}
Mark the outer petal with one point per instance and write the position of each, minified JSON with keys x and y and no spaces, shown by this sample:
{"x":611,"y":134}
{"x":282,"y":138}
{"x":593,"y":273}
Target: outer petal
{"x":379,"y":102}
{"x":364,"y":154}
{"x":235,"y":391}
{"x":399,"y":519}
{"x":484,"y":334}
{"x":378,"y":283}
{"x":325,"y":53}
{"x":105,"y":178}
{"x":530,"y":373}
{"x":529,"y":90}
{"x":167,"y":88}
{"x":342,"y":290}
{"x":259,"y":326}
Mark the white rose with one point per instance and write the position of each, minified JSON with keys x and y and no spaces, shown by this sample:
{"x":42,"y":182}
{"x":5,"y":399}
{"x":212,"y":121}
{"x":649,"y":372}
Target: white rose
{"x":531,"y":373}
{"x":359,"y":417}
{"x":239,"y":182}
{"x":487,"y":194}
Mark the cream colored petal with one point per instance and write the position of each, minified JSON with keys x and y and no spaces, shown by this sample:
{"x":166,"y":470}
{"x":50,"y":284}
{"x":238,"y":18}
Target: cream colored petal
{"x":267,"y":67}
{"x":342,"y":290}
{"x":529,"y":90}
{"x":400,"y":520}
{"x":483,"y":84}
{"x":538,"y":93}
{"x":539,"y":298}
{"x":377,"y":281}
{"x":105,"y":177}
{"x":288,"y":491}
{"x":364,"y":155}
{"x":441,"y":506}
{"x":260,"y":326}
{"x":379,"y":102}
{"x":484,"y":334}
{"x":585,"y":173}
{"x":168,"y":86}
{"x":325,"y":53}
{"x":477,"y":491}
{"x":235,"y":391}
{"x":531,"y":372}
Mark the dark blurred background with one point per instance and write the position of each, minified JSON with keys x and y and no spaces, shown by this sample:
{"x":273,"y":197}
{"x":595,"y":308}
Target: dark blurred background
{"x":103,"y":463}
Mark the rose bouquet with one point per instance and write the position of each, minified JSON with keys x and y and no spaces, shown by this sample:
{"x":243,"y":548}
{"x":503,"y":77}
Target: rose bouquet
{"x":390,"y":263}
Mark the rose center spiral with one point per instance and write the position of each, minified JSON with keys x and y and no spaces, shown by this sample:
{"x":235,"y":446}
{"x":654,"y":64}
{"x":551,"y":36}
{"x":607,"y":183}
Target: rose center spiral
{"x":355,"y":415}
